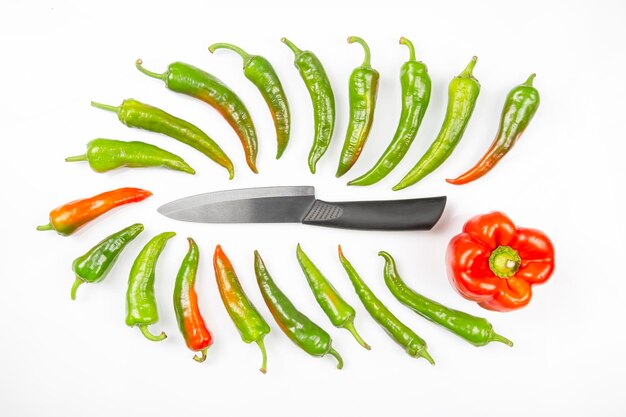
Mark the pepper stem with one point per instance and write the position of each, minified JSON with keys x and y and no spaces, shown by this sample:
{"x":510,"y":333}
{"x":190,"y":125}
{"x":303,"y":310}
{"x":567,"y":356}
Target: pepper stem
{"x":467,"y":72}
{"x":150,"y":336}
{"x":76,"y":158}
{"x":529,"y":81}
{"x":350,"y":327}
{"x":366,"y":49}
{"x":264,"y":353}
{"x":291,"y":46}
{"x":424,"y":354}
{"x":105,"y":107}
{"x":202,"y":356}
{"x":336,"y":354}
{"x":77,"y":283}
{"x":45,"y":227}
{"x":504,"y":261}
{"x":149,"y":73}
{"x":409,"y":44}
{"x":232,"y":47}
{"x":495,"y":337}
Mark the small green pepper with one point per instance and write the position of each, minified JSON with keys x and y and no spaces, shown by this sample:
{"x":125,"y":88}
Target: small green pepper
{"x":94,"y":266}
{"x":106,"y":154}
{"x":141,"y":308}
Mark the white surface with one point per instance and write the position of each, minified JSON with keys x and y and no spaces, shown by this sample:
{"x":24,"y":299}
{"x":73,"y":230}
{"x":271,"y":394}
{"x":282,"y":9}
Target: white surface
{"x":64,"y":358}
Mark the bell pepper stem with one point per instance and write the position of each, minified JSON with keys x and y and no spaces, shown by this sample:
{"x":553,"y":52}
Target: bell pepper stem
{"x":336,"y":354}
{"x":529,"y":81}
{"x":350,"y":327}
{"x":150,"y":336}
{"x":202,"y":356}
{"x":77,"y":283}
{"x":76,"y":158}
{"x":409,"y":44}
{"x":232,"y":47}
{"x":138,"y":65}
{"x":107,"y":107}
{"x":424,"y":354}
{"x":495,"y":337}
{"x":291,"y":46}
{"x":366,"y":49}
{"x":45,"y":227}
{"x":264,"y":353}
{"x":467,"y":72}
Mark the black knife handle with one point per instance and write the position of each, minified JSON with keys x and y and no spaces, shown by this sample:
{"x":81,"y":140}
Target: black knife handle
{"x":411,"y":214}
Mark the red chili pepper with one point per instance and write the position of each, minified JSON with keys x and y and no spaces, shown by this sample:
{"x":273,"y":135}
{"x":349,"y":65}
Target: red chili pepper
{"x":69,"y":217}
{"x":496,"y":264}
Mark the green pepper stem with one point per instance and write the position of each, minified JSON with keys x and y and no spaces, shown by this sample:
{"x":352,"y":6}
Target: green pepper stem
{"x":350,"y":327}
{"x":409,"y":44}
{"x":336,"y":354}
{"x":529,"y":81}
{"x":77,"y":283}
{"x":105,"y":107}
{"x":264,"y":353}
{"x":467,"y":72}
{"x":76,"y":158}
{"x":495,"y":337}
{"x":424,"y":354}
{"x":366,"y":49}
{"x":149,"y":73}
{"x":202,"y":356}
{"x":232,"y":47}
{"x":45,"y":227}
{"x":291,"y":46}
{"x":150,"y":336}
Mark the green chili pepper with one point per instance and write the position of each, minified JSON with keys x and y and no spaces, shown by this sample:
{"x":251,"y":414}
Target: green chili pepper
{"x":462,"y":94}
{"x":259,"y":70}
{"x":94,"y":266}
{"x":141,"y":308}
{"x":519,"y":108}
{"x":340,"y":313}
{"x":143,"y":116}
{"x":414,"y":345}
{"x":476,"y":330}
{"x":106,"y":154}
{"x":251,"y":325}
{"x":187,"y":79}
{"x":321,"y":92}
{"x":362,"y":89}
{"x":299,"y":328}
{"x":416,"y":86}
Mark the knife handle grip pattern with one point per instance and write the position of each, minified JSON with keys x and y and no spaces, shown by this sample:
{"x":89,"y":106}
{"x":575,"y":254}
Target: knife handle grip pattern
{"x":410,"y":214}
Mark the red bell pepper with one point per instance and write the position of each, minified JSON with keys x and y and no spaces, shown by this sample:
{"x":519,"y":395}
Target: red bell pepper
{"x":496,"y":264}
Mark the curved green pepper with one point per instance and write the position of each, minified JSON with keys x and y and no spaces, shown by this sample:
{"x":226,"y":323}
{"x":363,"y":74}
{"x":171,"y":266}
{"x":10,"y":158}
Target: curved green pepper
{"x":187,"y":79}
{"x":106,"y":154}
{"x":141,"y":308}
{"x":299,"y":328}
{"x":94,"y":266}
{"x":416,"y":86}
{"x":143,"y":116}
{"x":321,"y":92}
{"x":340,"y":313}
{"x":362,"y":89}
{"x":259,"y":70}
{"x":462,"y":94}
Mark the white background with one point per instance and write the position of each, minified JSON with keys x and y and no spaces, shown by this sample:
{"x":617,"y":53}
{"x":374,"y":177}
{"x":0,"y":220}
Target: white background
{"x":566,"y":176}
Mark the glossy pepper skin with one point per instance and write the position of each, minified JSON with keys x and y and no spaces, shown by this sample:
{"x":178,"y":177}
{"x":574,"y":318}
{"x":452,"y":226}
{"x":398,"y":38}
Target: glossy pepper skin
{"x":414,"y":345}
{"x":307,"y":335}
{"x":476,"y":330}
{"x":143,"y":116}
{"x":187,"y":79}
{"x":95,"y":265}
{"x":340,"y":313}
{"x":362,"y":89}
{"x":495,"y":263}
{"x":519,"y":108}
{"x":106,"y":154}
{"x":141,"y":307}
{"x":416,"y":87}
{"x":251,"y":325}
{"x":462,"y":94}
{"x":322,"y":96}
{"x":261,"y":73}
{"x":190,"y":322}
{"x":66,"y":219}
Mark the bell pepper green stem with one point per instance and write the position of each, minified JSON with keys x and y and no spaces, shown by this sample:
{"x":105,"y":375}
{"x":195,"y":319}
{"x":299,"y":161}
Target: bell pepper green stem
{"x":76,"y":158}
{"x":495,"y":337}
{"x":107,"y":107}
{"x":291,"y":46}
{"x":202,"y":356}
{"x":45,"y":227}
{"x":148,"y":72}
{"x":467,"y":72}
{"x":409,"y":44}
{"x":504,"y":261}
{"x":264,"y":353}
{"x":529,"y":81}
{"x":350,"y":327}
{"x":232,"y":47}
{"x":366,"y":49}
{"x":336,"y":354}
{"x":77,"y":283}
{"x":150,"y":336}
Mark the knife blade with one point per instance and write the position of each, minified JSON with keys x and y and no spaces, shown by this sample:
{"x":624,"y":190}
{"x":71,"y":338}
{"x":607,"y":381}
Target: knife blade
{"x":297,"y":204}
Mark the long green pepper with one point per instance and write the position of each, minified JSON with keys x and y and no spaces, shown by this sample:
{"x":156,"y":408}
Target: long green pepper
{"x":141,"y":307}
{"x":261,"y":73}
{"x":340,"y":313}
